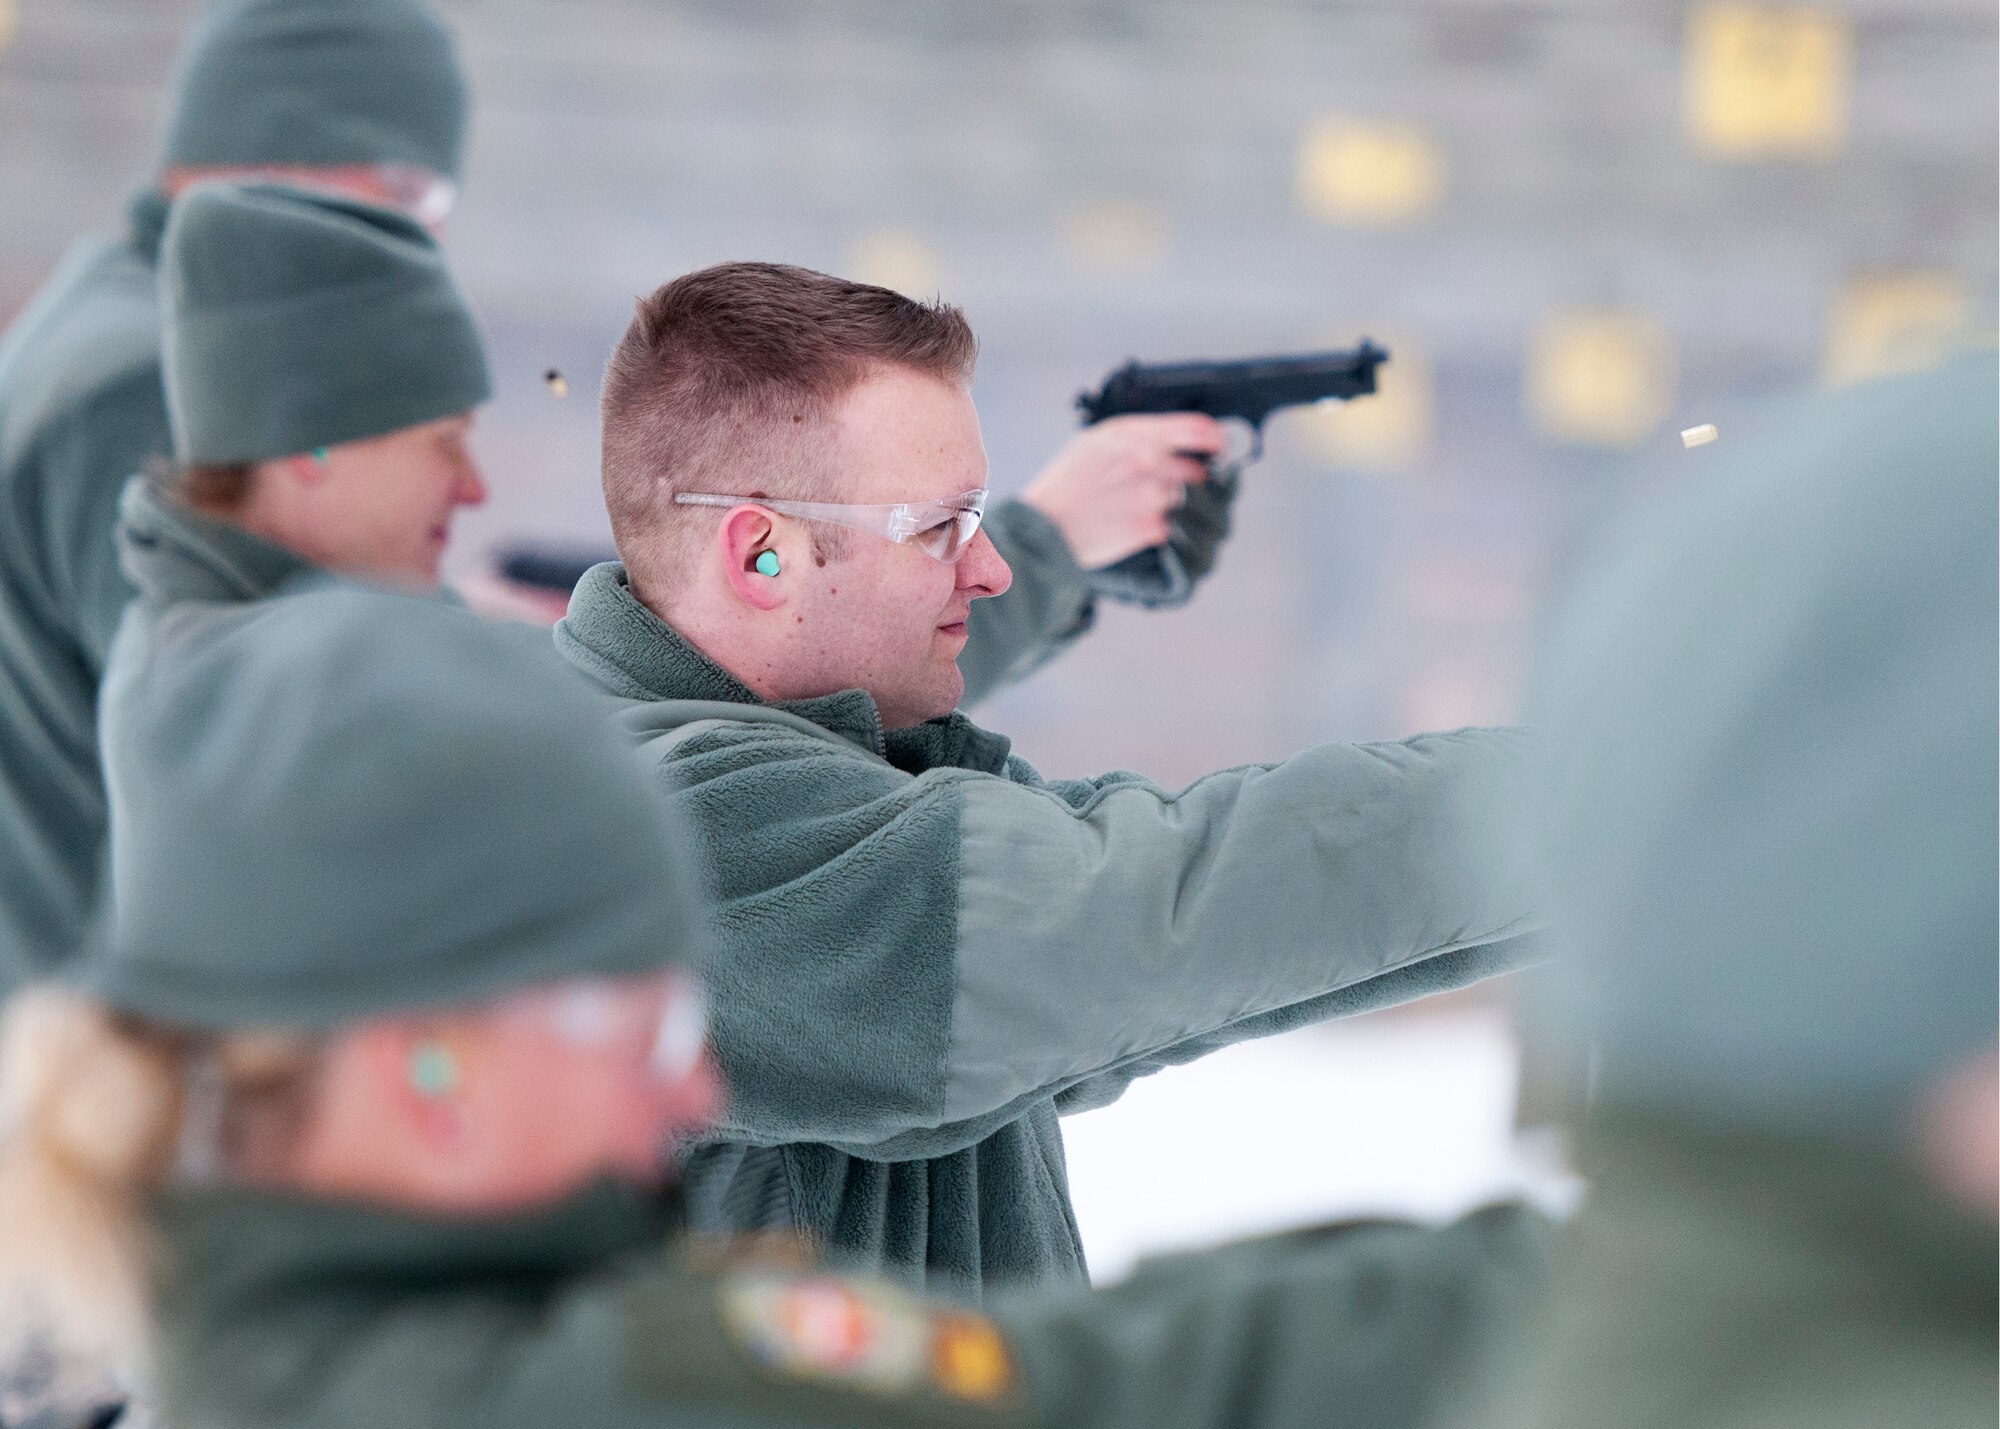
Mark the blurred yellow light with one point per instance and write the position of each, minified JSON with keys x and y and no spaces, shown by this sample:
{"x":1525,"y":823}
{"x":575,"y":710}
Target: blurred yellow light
{"x":1767,"y":82}
{"x":894,"y":258}
{"x":1114,"y":239}
{"x":1886,"y":323}
{"x":6,"y":22}
{"x":1599,"y":377}
{"x":1354,"y":172}
{"x":1387,"y":432}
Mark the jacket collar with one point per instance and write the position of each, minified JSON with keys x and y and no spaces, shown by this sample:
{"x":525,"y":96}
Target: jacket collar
{"x":636,"y":654}
{"x":172,"y":553}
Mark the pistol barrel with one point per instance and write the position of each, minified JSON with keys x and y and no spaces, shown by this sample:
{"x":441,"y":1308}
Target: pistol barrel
{"x":1250,"y":388}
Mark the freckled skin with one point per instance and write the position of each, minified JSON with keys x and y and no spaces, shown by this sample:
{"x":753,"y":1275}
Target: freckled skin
{"x":883,"y":616}
{"x":886,"y":617}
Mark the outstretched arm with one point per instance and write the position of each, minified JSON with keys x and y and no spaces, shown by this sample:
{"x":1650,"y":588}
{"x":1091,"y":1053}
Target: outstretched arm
{"x":1382,"y":1324}
{"x":1350,"y":877}
{"x":905,"y":963}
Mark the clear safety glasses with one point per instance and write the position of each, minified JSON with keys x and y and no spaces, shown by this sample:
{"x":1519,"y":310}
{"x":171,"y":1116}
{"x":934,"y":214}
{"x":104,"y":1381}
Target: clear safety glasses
{"x":596,"y":1012}
{"x":410,"y":189}
{"x":940,"y":529}
{"x":425,"y":196}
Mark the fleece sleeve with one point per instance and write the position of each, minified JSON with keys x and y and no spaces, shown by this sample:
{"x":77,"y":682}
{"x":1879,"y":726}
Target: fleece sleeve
{"x":1046,"y":610}
{"x":1106,"y":930}
{"x":1382,"y":1324}
{"x":904,"y":964}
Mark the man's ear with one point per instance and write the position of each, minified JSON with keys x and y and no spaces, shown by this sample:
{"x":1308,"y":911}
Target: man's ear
{"x":749,"y":534}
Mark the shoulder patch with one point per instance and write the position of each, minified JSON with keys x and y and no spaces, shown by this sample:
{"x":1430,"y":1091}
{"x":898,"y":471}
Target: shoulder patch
{"x":969,"y":1358}
{"x":864,"y":1334}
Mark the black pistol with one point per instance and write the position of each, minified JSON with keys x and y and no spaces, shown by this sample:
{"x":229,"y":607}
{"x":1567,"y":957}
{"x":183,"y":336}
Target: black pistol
{"x":1248,"y":390}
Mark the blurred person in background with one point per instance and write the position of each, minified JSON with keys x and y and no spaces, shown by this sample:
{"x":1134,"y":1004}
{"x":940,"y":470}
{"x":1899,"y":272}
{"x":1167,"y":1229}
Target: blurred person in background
{"x":321,"y":368}
{"x":928,"y":953}
{"x":321,"y":371}
{"x":356,"y":97}
{"x":1773,"y":857}
{"x":294,"y":1150}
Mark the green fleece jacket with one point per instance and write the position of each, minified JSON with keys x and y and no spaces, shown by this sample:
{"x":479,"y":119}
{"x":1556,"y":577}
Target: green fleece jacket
{"x":81,"y":409}
{"x":294,"y":1314}
{"x":926,"y":952}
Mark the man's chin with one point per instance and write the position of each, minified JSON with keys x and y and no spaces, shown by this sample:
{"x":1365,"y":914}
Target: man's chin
{"x":935,"y":702}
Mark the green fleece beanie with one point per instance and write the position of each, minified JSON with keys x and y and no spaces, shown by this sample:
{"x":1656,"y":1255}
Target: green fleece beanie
{"x":295,"y":320}
{"x":342,"y":803}
{"x":318,"y":82}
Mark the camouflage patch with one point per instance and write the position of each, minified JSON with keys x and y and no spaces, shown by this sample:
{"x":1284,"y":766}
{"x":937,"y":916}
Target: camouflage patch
{"x":969,"y":1358}
{"x":865,"y":1335}
{"x":870,"y":1336}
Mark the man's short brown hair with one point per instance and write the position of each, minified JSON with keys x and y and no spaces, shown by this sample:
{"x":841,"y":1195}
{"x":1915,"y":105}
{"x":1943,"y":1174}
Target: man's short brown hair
{"x":724,"y":382}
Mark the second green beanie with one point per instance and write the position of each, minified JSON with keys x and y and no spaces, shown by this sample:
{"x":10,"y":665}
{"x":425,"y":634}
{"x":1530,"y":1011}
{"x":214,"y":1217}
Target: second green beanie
{"x":295,"y":320}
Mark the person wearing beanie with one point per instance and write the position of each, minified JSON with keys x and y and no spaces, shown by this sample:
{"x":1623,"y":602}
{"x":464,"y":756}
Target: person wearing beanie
{"x":1771,"y":844}
{"x":331,"y":87}
{"x":320,"y":366}
{"x":321,"y":370}
{"x":360,"y":1112}
{"x":448,"y":832}
{"x":358,"y":96}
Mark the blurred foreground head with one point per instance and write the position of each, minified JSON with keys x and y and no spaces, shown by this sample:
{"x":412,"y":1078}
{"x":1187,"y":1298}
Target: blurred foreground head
{"x":1772,"y":845}
{"x":366,"y":94}
{"x":396,"y":921}
{"x":1773,"y":839}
